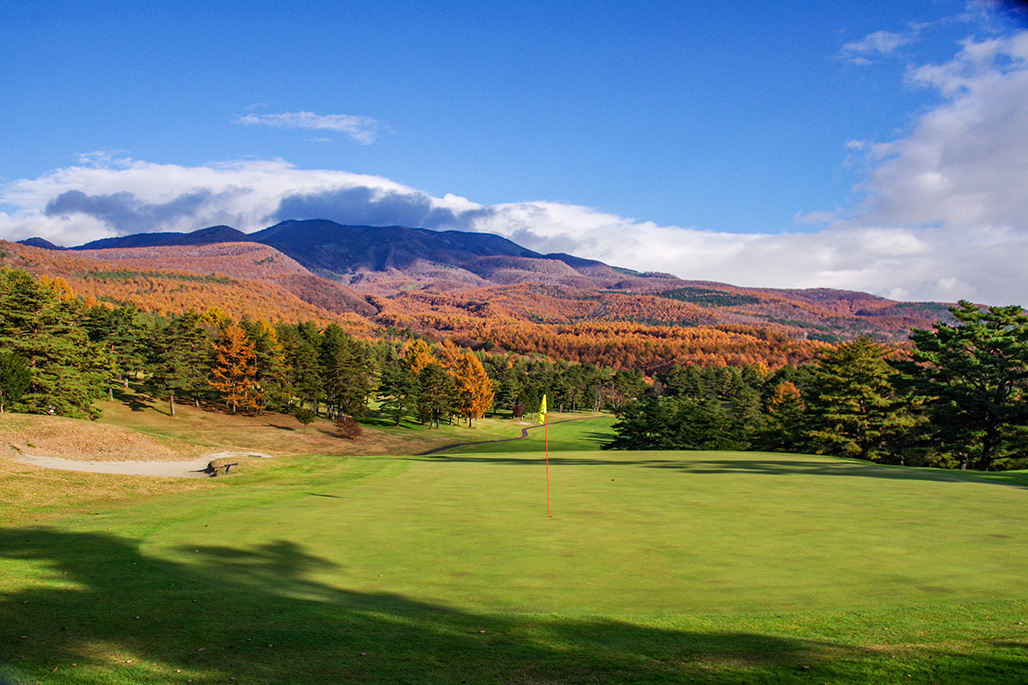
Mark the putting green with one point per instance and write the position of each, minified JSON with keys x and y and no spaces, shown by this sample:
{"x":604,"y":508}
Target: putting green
{"x":631,"y":533}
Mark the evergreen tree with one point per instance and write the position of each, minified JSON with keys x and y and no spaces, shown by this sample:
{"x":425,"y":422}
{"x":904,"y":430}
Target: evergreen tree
{"x":122,"y":334}
{"x":40,"y":322}
{"x":15,"y":379}
{"x":972,"y":379}
{"x":435,"y":394}
{"x":783,"y":427}
{"x":180,"y":358}
{"x":347,"y":372}
{"x":858,"y":412}
{"x":269,"y":364}
{"x":397,"y":390}
{"x":300,"y":344}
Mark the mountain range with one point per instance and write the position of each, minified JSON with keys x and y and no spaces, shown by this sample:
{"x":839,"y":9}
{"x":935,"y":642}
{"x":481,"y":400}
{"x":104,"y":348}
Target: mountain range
{"x":450,"y":281}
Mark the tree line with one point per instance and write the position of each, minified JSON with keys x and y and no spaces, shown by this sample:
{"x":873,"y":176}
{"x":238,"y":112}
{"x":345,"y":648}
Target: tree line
{"x":61,"y":354}
{"x":957,"y":397}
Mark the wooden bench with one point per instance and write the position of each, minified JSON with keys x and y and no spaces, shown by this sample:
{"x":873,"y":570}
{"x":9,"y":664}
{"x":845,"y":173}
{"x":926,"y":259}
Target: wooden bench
{"x":214,"y":469}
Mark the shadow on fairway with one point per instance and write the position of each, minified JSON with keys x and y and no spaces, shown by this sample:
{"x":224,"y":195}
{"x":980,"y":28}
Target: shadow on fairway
{"x":121,"y":617}
{"x":700,"y":463}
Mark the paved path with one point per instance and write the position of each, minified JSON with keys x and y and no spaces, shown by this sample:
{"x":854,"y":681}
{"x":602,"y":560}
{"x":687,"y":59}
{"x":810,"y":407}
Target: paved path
{"x":524,"y":434}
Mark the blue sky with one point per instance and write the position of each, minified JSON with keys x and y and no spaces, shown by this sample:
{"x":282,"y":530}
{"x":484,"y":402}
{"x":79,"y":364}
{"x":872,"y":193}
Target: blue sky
{"x":872,"y":146}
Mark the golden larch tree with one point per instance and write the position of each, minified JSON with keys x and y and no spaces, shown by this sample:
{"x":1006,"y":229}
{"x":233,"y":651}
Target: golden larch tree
{"x":235,"y":369}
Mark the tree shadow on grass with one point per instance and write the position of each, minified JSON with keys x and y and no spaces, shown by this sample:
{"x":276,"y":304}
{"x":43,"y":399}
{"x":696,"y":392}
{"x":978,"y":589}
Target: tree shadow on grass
{"x":134,"y":400}
{"x":88,"y":608}
{"x":700,"y":463}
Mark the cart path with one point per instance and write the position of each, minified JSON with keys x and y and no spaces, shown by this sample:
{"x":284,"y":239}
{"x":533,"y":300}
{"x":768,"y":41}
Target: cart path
{"x":524,"y":434}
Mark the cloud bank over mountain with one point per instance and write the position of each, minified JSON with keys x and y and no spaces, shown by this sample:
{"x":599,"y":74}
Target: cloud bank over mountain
{"x":942,"y":212}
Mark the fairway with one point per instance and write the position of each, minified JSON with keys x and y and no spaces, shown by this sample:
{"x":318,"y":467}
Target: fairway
{"x":656,"y":567}
{"x":631,"y":534}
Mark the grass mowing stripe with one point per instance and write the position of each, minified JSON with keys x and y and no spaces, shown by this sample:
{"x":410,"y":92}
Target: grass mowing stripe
{"x":122,"y":595}
{"x":632,"y":534}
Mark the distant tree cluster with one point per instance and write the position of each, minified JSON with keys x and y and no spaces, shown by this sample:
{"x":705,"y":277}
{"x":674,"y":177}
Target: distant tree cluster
{"x":957,"y":398}
{"x":60,"y":355}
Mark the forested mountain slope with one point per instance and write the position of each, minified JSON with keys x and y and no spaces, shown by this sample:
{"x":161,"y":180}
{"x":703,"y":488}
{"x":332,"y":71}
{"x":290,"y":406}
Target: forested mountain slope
{"x":453,"y":282}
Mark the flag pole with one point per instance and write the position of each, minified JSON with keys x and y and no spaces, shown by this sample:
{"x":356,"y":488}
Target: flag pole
{"x":546,"y":439}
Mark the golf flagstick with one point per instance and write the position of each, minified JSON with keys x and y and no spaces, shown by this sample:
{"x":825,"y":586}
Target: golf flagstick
{"x":546,"y":441}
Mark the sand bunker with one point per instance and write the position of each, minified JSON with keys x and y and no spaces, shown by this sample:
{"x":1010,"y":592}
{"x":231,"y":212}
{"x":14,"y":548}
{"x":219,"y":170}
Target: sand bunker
{"x":194,"y":468}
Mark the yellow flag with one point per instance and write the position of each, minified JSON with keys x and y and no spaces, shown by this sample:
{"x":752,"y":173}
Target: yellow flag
{"x":542,"y":411}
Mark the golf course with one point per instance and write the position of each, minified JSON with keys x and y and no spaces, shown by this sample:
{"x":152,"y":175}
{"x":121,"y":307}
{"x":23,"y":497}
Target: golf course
{"x":334,"y":562}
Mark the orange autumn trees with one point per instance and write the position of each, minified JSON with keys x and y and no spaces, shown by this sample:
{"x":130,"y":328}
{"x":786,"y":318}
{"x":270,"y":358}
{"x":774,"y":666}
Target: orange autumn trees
{"x":234,"y":371}
{"x":474,"y":390}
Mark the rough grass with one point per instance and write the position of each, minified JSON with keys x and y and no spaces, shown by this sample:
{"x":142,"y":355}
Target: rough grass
{"x":655,"y":568}
{"x":282,"y":434}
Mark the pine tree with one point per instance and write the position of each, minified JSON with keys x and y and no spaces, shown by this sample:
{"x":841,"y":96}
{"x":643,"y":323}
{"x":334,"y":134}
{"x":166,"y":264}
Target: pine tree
{"x":434,"y":394}
{"x":180,"y":358}
{"x":122,"y":334}
{"x":40,"y":322}
{"x":347,"y":372}
{"x":303,"y":363}
{"x":858,"y":412}
{"x":15,"y":379}
{"x":973,"y":379}
{"x":397,"y":390}
{"x":269,"y":364}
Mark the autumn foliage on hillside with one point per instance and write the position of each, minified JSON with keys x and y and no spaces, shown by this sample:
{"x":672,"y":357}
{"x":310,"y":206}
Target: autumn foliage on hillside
{"x":696,"y":322}
{"x":164,"y":291}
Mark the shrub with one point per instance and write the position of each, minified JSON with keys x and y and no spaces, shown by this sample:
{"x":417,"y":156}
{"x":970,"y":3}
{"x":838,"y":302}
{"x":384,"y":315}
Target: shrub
{"x":304,"y":416}
{"x":348,"y":427}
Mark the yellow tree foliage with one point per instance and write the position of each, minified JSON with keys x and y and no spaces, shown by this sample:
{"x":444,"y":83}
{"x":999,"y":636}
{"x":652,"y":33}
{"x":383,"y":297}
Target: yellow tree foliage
{"x":474,"y":393}
{"x":416,"y":355}
{"x":234,"y":370}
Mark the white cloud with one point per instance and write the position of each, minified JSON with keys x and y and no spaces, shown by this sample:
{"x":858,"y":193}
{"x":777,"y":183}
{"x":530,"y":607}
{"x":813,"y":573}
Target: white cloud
{"x":362,"y":129}
{"x":876,"y":44}
{"x":965,"y":163}
{"x":943,"y":212}
{"x":77,"y":204}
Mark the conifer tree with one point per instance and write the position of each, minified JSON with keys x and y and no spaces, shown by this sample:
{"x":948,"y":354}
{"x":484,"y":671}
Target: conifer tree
{"x":434,"y":395}
{"x":397,"y":389}
{"x":973,"y":379}
{"x":416,"y":355}
{"x":346,"y":371}
{"x":300,"y":344}
{"x":234,"y":371}
{"x":269,"y":363}
{"x":121,"y":333}
{"x":180,"y":357}
{"x":39,"y":321}
{"x":858,"y":411}
{"x":473,"y":390}
{"x":15,"y":379}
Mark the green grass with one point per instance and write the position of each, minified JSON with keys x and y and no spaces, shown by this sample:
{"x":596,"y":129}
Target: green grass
{"x":658,"y":567}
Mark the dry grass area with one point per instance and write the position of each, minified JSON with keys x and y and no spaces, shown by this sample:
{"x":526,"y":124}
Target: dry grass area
{"x":55,"y":436}
{"x":212,"y":429}
{"x":33,"y":493}
{"x":138,"y":427}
